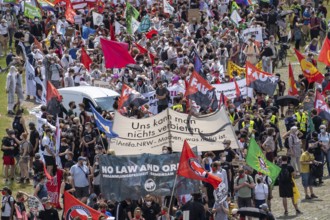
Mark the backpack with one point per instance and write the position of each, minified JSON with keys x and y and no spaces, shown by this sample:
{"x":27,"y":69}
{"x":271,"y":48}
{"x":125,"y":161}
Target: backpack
{"x":163,"y":55}
{"x":248,"y":177}
{"x":284,"y":176}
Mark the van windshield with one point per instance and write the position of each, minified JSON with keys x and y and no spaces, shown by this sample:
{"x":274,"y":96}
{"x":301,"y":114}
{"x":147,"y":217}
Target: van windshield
{"x":105,"y":103}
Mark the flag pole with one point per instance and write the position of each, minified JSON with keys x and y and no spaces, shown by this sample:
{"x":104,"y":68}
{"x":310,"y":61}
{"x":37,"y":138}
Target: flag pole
{"x":170,"y":206}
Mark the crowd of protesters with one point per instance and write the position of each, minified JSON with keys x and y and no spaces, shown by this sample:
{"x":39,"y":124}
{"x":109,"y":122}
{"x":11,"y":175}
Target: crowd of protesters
{"x":217,"y":40}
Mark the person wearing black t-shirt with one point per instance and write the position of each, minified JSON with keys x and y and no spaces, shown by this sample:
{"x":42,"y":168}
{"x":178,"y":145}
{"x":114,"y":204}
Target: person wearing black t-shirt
{"x":49,"y":213}
{"x":8,"y":146}
{"x":34,"y":140}
{"x":88,"y":142}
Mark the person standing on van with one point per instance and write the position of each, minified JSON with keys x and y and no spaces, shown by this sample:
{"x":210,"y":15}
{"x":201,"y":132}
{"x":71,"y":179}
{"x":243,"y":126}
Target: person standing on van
{"x":83,"y":117}
{"x":162,"y":94}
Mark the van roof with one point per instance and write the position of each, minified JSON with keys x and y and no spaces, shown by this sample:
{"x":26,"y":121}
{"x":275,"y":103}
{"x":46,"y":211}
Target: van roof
{"x":92,"y":91}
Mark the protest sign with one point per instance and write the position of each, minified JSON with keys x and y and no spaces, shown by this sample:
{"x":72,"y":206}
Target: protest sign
{"x":151,"y":96}
{"x":229,"y":91}
{"x":257,"y":31}
{"x":136,"y":176}
{"x":171,"y":128}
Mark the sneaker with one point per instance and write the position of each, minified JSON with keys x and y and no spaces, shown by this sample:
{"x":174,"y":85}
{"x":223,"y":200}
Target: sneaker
{"x":298,"y":212}
{"x":313,"y":196}
{"x":308,"y":197}
{"x":286,"y":213}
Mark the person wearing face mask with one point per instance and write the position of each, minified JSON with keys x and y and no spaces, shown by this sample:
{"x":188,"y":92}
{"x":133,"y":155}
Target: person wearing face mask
{"x":301,"y":118}
{"x":138,"y":214}
{"x":243,"y":185}
{"x":49,"y":213}
{"x":150,"y":209}
{"x":269,"y":145}
{"x":266,"y":55}
{"x":307,"y":158}
{"x":251,"y":52}
{"x":89,"y":141}
{"x":80,"y":179}
{"x":7,"y":208}
{"x":37,"y":29}
{"x":324,"y":140}
{"x":49,"y":150}
{"x":233,"y":115}
{"x":165,"y":215}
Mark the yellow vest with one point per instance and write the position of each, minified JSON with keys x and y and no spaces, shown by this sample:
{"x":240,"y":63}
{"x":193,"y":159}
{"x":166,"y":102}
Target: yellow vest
{"x":232,"y":118}
{"x":302,"y":120}
{"x":177,"y":107}
{"x":251,"y":125}
{"x":273,"y":119}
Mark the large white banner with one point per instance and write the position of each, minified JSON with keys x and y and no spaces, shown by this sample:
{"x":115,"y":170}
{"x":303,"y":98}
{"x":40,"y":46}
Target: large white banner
{"x":253,"y":31}
{"x":151,"y":96}
{"x":171,"y":128}
{"x":30,"y":79}
{"x":229,"y":89}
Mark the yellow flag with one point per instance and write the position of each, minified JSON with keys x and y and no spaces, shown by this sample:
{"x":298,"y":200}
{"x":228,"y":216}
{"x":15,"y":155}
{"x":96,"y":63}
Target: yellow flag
{"x":259,"y":65}
{"x":233,"y":67}
{"x":296,"y":193}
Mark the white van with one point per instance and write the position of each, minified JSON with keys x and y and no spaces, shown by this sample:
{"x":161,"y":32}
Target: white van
{"x":89,"y":95}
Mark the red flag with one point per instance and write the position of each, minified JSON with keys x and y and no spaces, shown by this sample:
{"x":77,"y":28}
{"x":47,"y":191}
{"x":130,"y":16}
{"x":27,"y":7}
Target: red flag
{"x":238,"y":91}
{"x":151,"y":33}
{"x":52,"y":92}
{"x":38,"y":44}
{"x":321,"y":106}
{"x":112,"y":32}
{"x":141,"y":49}
{"x":292,"y":83}
{"x":85,"y":59}
{"x":250,"y":76}
{"x":74,"y":208}
{"x":129,"y":95}
{"x":69,"y":13}
{"x":311,"y":73}
{"x":223,"y":100}
{"x":324,"y":56}
{"x":197,"y":83}
{"x":53,"y":187}
{"x":190,"y":167}
{"x":115,"y":54}
{"x":327,"y":88}
{"x":100,"y":6}
{"x":144,"y":51}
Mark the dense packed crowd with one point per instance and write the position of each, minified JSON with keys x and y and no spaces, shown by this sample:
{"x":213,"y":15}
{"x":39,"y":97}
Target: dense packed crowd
{"x":54,"y":46}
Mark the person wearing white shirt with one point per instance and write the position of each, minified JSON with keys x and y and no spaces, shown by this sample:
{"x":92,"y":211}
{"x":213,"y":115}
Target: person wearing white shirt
{"x":49,"y":151}
{"x":260,"y":193}
{"x":66,"y":60}
{"x":4,"y":35}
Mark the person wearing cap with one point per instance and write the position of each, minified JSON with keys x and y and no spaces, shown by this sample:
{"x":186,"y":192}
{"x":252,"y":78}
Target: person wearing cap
{"x":141,"y":87}
{"x":7,"y":208}
{"x":49,"y":213}
{"x":243,"y":185}
{"x":80,"y":179}
{"x":8,"y":146}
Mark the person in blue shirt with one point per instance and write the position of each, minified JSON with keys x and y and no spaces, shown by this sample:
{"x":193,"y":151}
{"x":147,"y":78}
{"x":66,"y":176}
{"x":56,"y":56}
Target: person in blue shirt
{"x":73,"y":51}
{"x":306,"y":22}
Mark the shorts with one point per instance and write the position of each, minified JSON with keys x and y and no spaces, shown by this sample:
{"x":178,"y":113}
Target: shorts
{"x":306,"y":179}
{"x":49,"y":160}
{"x":244,"y":202}
{"x":8,"y":160}
{"x":81,"y":192}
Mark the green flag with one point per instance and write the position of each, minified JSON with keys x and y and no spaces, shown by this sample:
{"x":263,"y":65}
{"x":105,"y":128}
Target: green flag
{"x":257,"y":160}
{"x":130,"y":12}
{"x":31,"y":12}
